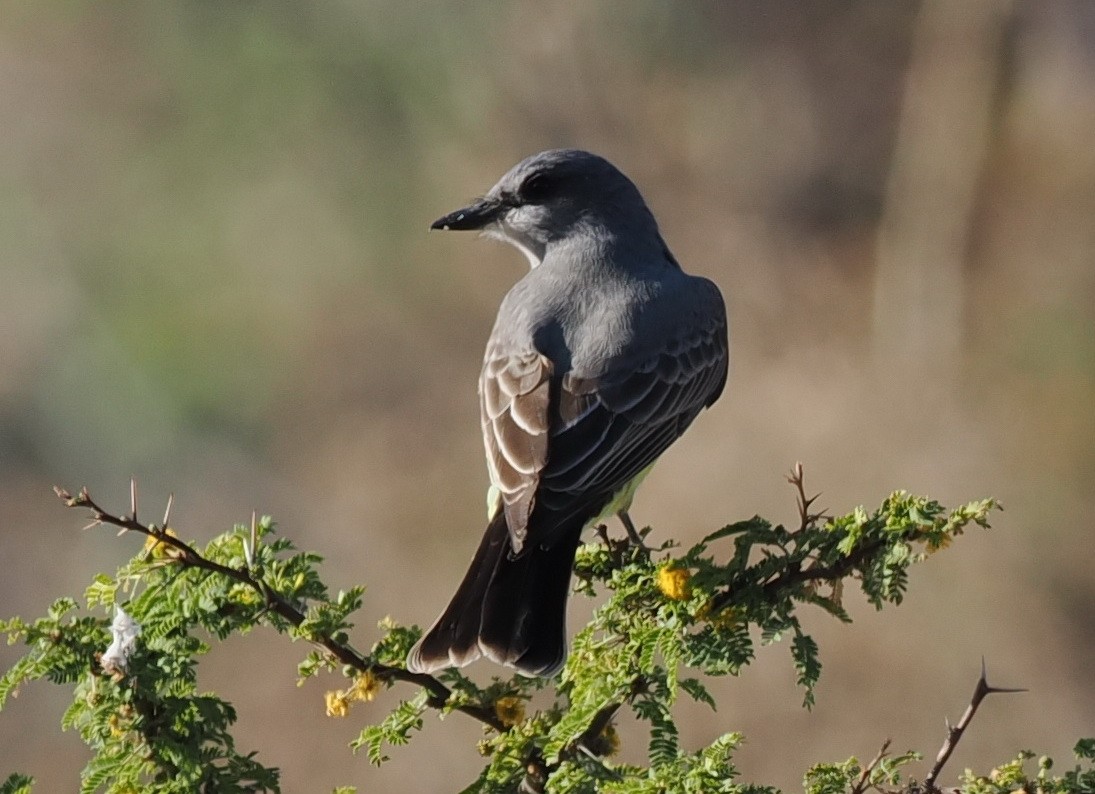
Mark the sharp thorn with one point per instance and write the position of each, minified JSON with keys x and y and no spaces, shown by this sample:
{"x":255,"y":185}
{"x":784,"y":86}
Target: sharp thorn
{"x":249,"y":548}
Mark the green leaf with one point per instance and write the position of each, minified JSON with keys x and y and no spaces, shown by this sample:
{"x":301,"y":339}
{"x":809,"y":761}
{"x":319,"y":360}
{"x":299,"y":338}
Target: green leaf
{"x":698,"y":692}
{"x":804,"y":651}
{"x":17,"y":784}
{"x":753,"y":526}
{"x":394,"y":730}
{"x":831,"y":778}
{"x":102,"y":591}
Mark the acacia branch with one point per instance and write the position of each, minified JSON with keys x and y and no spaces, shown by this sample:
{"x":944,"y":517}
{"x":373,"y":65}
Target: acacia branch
{"x":795,"y":576}
{"x":795,"y":573}
{"x":865,"y":776}
{"x":187,"y":556}
{"x":798,"y":481}
{"x":954,"y":732}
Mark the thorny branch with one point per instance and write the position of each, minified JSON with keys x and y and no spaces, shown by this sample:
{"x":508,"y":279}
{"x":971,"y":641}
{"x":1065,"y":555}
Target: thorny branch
{"x":865,"y":776}
{"x":806,"y":518}
{"x":187,"y":555}
{"x":793,"y":576}
{"x":954,"y":732}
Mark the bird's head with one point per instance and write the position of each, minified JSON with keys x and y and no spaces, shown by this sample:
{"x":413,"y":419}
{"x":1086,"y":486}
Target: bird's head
{"x":550,"y":197}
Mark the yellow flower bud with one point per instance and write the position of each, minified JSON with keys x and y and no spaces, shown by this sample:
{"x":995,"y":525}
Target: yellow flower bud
{"x":674,"y":582}
{"x":509,"y":710}
{"x":365,"y":687}
{"x":337,"y":705}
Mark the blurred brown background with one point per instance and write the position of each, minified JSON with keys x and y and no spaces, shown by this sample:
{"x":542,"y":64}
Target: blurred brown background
{"x":215,"y":275}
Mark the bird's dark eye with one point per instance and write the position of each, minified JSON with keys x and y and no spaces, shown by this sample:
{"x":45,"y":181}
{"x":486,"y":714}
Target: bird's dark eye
{"x":536,"y":188}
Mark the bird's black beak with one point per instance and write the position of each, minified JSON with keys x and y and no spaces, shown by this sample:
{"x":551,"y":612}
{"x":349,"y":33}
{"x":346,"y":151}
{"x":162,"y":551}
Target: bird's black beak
{"x":475,"y":216}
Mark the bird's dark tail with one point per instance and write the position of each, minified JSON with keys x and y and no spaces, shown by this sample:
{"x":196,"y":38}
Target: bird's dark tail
{"x":512,"y":609}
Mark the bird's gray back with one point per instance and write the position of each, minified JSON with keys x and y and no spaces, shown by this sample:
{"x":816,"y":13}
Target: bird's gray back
{"x":593,"y":323}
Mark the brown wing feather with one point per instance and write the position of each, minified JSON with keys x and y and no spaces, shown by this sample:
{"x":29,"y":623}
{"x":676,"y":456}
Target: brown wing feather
{"x":515,"y":395}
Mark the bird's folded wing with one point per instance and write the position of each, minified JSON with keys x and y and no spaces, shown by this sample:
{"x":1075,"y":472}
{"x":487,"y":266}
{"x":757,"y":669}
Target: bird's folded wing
{"x":514,"y":396}
{"x":613,"y":427}
{"x":573,"y":455}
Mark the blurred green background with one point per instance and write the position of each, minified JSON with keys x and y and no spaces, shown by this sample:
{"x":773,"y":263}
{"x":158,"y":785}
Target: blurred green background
{"x":215,"y":275}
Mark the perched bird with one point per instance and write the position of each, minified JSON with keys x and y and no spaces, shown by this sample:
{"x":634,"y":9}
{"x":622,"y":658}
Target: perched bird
{"x":600,"y":357}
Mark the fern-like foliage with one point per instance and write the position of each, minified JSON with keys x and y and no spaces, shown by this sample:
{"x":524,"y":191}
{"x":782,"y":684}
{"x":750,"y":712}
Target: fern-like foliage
{"x":666,"y":620}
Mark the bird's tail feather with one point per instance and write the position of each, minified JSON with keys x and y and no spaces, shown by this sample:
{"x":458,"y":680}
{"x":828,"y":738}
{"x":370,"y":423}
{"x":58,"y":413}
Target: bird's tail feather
{"x":513,"y":609}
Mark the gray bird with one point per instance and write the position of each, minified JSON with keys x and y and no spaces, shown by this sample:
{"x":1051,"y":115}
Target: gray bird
{"x":600,"y":357}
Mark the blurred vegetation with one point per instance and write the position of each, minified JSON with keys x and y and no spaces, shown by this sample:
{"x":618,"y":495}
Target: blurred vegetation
{"x":216,"y":276}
